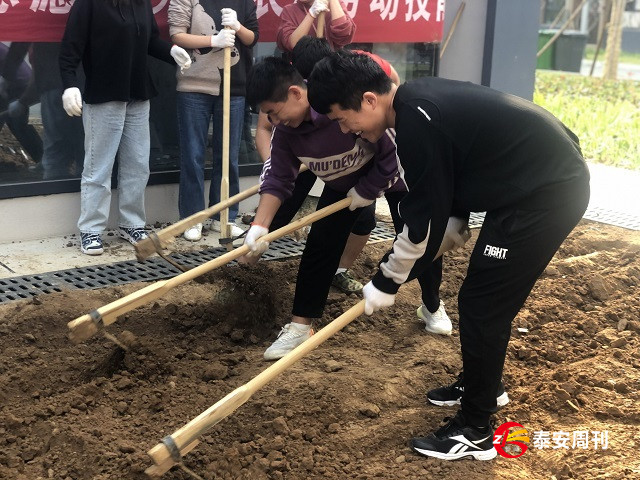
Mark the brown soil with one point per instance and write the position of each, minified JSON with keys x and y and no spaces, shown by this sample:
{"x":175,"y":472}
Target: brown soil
{"x":91,"y":411}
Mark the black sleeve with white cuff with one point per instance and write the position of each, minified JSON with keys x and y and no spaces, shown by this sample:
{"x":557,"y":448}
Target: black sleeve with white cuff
{"x":427,"y":167}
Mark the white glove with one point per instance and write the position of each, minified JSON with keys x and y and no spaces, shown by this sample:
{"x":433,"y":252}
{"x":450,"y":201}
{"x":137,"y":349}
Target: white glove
{"x":72,"y":101}
{"x":456,"y":234}
{"x":252,"y":240}
{"x":224,"y":39}
{"x":356,"y":200}
{"x":375,"y":299}
{"x":230,"y":19}
{"x":318,"y":7}
{"x":181,"y":57}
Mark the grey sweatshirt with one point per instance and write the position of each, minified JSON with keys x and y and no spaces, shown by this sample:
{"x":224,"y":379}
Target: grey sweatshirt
{"x":203,"y":17}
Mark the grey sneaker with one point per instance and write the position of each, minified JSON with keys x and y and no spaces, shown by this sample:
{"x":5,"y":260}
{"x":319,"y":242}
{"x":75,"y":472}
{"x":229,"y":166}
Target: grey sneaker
{"x":289,"y":338}
{"x":345,"y":282}
{"x":436,"y":322}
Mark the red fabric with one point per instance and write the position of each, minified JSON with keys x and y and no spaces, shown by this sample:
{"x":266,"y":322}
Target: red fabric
{"x":376,"y":20}
{"x":337,"y":32}
{"x":386,"y":66}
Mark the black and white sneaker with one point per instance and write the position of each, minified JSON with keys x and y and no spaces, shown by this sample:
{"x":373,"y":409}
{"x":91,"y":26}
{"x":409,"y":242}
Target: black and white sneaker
{"x":91,"y":243}
{"x":451,"y":394}
{"x":132,"y":234}
{"x":457,"y":440}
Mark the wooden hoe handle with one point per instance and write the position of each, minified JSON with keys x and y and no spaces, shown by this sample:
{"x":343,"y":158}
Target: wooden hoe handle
{"x":147,"y":247}
{"x":320,"y":25}
{"x":170,"y":451}
{"x":225,"y":229}
{"x":85,"y":326}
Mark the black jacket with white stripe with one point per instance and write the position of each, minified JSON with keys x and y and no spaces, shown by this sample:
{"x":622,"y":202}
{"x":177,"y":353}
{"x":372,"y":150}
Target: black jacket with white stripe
{"x":463,"y":147}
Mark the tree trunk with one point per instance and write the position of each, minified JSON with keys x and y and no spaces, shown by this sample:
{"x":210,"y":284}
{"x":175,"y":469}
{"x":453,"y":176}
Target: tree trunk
{"x":614,"y":41}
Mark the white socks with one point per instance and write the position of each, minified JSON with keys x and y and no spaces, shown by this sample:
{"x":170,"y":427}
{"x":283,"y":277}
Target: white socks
{"x":300,"y":327}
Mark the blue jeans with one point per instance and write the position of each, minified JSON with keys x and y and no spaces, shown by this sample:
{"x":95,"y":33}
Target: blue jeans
{"x":194,"y":114}
{"x":110,"y":129}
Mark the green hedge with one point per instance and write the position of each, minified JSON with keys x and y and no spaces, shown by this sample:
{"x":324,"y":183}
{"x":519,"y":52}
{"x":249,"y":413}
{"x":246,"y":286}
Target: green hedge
{"x":604,"y":114}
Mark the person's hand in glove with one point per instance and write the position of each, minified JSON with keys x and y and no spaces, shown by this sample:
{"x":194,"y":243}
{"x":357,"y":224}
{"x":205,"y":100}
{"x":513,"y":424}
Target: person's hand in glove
{"x":72,"y":101}
{"x":356,"y":200}
{"x":375,"y":299}
{"x":318,"y":7}
{"x":181,"y":57}
{"x":252,"y":240}
{"x":230,"y":19}
{"x":456,"y":234}
{"x":224,"y":39}
{"x":17,"y":109}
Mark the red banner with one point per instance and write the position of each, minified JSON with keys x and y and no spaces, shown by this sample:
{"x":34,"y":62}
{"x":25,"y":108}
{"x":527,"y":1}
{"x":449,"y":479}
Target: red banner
{"x":387,"y":21}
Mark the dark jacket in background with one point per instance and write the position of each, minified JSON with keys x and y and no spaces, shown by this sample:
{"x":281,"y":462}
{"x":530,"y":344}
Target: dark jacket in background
{"x":113,"y":43}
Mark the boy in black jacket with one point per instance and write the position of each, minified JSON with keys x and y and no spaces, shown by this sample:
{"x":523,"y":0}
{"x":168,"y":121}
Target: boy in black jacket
{"x":465,"y":147}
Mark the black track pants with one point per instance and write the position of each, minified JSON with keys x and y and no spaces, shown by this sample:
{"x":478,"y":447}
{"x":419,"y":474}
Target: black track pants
{"x":289,"y":208}
{"x":324,"y":248}
{"x":364,"y":224}
{"x":321,"y":256}
{"x":513,"y":248}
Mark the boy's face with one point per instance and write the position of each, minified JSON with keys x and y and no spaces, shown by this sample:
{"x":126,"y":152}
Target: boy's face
{"x":366,"y":122}
{"x":290,"y":113}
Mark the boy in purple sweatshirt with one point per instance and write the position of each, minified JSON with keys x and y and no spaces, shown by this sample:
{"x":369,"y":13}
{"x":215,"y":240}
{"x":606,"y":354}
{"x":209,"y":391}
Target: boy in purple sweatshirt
{"x":349,"y":166}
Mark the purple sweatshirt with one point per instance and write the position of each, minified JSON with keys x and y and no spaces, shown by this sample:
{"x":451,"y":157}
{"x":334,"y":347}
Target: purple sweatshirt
{"x":341,"y":160}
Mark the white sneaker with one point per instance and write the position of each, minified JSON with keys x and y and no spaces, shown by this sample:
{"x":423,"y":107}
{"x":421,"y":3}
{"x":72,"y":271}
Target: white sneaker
{"x":193,"y":234}
{"x":289,"y":338}
{"x":437,"y":322}
{"x":235,"y":230}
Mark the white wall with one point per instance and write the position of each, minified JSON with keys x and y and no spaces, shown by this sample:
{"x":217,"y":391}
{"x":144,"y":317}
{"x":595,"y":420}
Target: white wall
{"x":32,"y":218}
{"x":462,"y":59}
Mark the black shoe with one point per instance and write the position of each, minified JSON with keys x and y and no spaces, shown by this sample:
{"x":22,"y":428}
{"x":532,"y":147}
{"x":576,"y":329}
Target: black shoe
{"x":451,"y":394}
{"x":457,"y":440}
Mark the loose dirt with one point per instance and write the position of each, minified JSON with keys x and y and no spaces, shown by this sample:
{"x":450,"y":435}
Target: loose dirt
{"x":91,"y":411}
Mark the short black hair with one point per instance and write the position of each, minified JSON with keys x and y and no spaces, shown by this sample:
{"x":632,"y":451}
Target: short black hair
{"x":270,"y":79}
{"x":307,"y":52}
{"x":342,"y":78}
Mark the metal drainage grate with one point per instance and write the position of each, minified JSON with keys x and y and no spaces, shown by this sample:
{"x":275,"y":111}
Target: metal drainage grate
{"x":597,"y":214}
{"x":611,"y":217}
{"x":100,"y":276}
{"x":20,"y":288}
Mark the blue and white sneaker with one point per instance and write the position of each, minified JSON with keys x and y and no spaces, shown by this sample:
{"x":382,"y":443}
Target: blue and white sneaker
{"x":133,"y":234}
{"x":91,"y":243}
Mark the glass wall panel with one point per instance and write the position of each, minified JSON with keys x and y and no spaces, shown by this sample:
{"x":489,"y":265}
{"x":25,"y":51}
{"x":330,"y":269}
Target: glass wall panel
{"x":42,"y":148}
